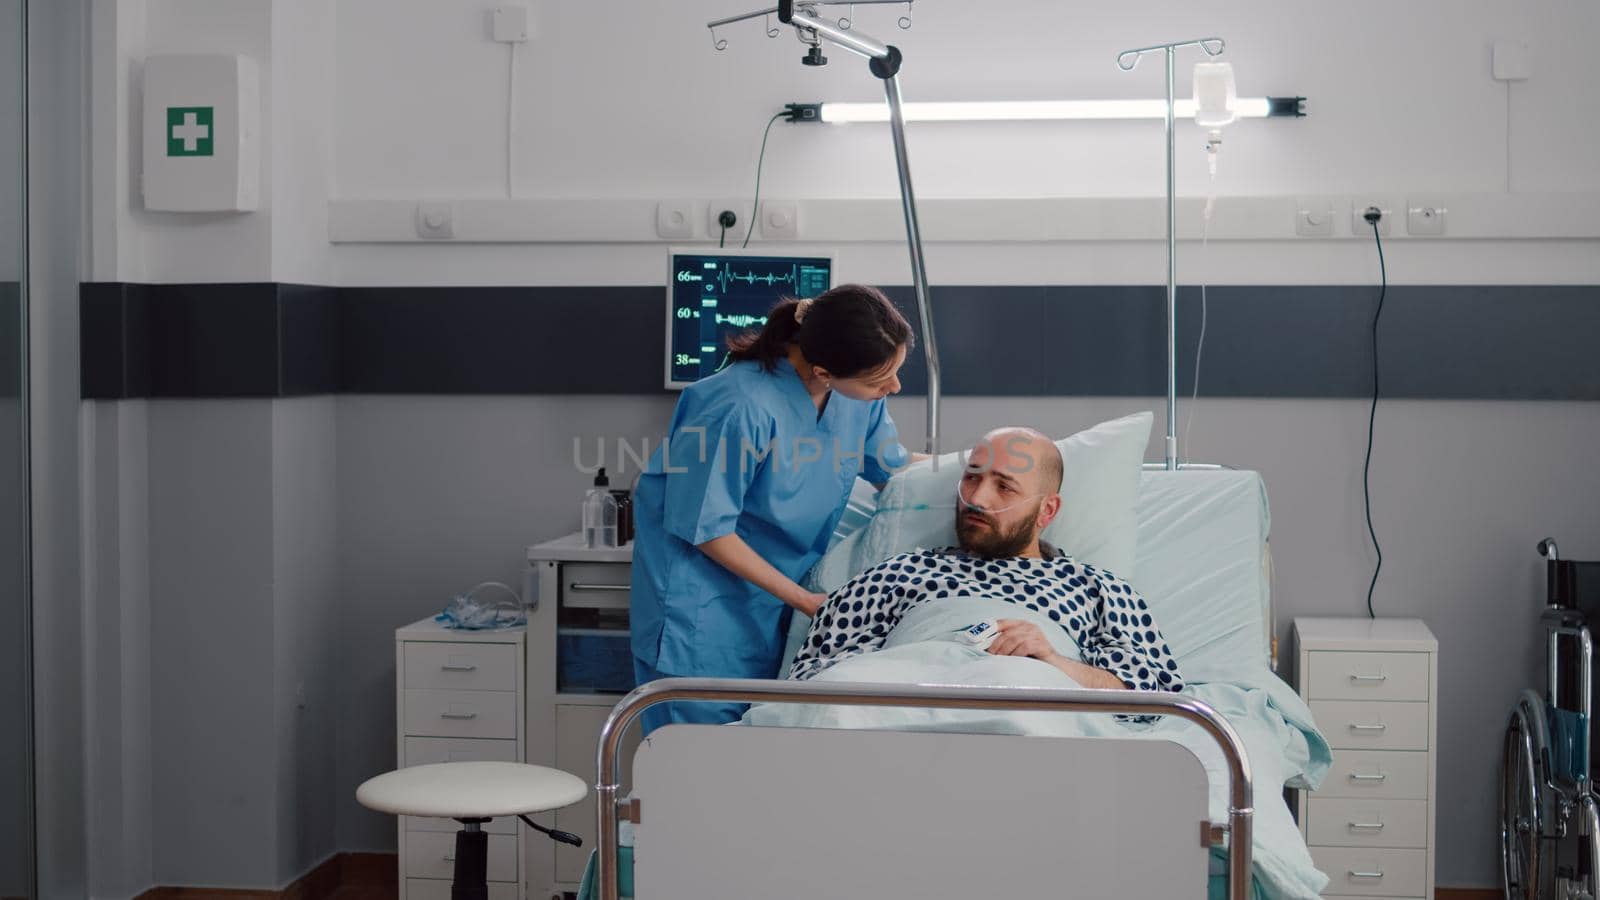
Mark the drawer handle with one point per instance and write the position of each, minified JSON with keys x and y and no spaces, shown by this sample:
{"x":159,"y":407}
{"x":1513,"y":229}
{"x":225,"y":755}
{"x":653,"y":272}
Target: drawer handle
{"x":581,"y":586}
{"x":1357,"y":776}
{"x":1355,"y":874}
{"x":458,"y":668}
{"x":1375,"y":826}
{"x":1369,"y":678}
{"x":470,"y":715}
{"x":449,"y":857}
{"x":1378,"y":727}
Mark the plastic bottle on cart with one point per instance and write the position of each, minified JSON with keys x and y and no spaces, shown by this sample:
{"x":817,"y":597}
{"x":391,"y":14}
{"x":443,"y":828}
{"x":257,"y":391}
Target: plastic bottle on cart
{"x":600,"y":514}
{"x":624,"y":516}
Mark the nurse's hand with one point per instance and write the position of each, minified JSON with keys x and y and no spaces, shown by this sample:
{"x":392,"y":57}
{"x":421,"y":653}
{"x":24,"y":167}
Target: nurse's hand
{"x":809,"y":603}
{"x":732,"y":553}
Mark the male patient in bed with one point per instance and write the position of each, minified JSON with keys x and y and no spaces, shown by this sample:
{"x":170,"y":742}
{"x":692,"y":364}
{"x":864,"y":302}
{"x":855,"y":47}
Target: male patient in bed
{"x":1009,"y":492}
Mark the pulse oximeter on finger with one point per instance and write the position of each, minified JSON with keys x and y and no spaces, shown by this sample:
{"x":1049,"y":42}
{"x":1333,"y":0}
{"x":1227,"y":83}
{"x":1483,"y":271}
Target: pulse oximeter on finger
{"x":981,"y":635}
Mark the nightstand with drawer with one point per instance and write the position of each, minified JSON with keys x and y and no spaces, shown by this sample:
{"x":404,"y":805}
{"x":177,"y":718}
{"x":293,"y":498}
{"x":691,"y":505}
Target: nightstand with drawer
{"x":580,"y":663}
{"x":1372,"y":685}
{"x":459,"y":698}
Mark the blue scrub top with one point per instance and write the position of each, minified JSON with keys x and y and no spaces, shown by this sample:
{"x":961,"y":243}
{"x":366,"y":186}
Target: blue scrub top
{"x":746,"y":454}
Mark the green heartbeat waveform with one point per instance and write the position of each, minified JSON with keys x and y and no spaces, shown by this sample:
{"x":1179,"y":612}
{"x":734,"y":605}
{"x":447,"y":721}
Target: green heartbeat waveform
{"x":741,"y":321}
{"x":751,"y":278}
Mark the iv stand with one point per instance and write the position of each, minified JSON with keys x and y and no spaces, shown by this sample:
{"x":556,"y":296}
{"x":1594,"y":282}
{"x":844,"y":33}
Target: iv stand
{"x":1126,"y":60}
{"x":884,"y":61}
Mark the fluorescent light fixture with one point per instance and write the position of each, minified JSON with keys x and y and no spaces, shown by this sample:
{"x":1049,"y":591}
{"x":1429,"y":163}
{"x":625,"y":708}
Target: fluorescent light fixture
{"x":1051,"y":110}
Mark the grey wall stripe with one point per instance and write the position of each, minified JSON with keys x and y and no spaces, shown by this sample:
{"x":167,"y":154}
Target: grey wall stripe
{"x":255,"y":340}
{"x":208,"y":340}
{"x":1467,"y":342}
{"x":502,"y":340}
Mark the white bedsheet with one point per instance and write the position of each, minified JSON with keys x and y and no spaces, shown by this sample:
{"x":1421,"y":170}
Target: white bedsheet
{"x":1283,"y":745}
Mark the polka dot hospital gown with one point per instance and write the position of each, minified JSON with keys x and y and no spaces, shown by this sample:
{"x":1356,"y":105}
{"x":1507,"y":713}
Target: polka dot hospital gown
{"x":1105,"y":618}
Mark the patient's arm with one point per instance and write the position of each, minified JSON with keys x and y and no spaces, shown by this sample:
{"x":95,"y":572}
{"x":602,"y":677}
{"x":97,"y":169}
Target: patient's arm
{"x":1088,"y":675}
{"x":1125,"y":638}
{"x":1022,"y":638}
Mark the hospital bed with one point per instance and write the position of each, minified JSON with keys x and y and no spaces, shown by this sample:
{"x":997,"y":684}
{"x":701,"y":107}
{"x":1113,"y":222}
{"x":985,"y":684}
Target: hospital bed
{"x":870,"y":804}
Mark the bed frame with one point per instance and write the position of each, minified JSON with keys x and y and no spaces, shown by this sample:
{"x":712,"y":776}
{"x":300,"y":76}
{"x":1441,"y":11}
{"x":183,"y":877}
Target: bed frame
{"x":807,"y":813}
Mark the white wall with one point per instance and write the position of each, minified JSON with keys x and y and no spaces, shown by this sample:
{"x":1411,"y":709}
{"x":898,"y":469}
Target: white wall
{"x":413,"y":105}
{"x":11,"y":174}
{"x":276,"y":697}
{"x":422,"y":93}
{"x":16,"y":820}
{"x":118,"y":764}
{"x":214,"y":735}
{"x":292,"y":43}
{"x":119,"y":767}
{"x":304,"y":632}
{"x":302,"y":72}
{"x":56,"y":84}
{"x":1401,"y":100}
{"x":179,"y":247}
{"x":236,"y":684}
{"x":15,"y":760}
{"x":115,"y":48}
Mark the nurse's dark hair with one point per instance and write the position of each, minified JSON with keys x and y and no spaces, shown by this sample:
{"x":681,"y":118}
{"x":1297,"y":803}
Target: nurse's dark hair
{"x":851,"y":329}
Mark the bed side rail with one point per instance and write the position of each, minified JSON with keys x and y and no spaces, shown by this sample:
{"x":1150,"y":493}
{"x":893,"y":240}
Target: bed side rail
{"x":1241,"y":809}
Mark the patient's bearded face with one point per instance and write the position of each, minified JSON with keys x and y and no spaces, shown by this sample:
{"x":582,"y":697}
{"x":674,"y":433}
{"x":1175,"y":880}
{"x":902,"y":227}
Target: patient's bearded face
{"x":995,"y":517}
{"x":982,"y":534}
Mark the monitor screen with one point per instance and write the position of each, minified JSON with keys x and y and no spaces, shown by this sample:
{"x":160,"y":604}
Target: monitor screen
{"x":714,"y":293}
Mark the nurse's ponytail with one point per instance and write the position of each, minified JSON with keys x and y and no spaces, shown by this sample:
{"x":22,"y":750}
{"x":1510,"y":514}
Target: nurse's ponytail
{"x":770,"y":342}
{"x":851,"y":329}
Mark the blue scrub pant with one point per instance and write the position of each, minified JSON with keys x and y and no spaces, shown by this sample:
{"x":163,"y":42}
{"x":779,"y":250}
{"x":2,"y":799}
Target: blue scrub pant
{"x":697,"y":712}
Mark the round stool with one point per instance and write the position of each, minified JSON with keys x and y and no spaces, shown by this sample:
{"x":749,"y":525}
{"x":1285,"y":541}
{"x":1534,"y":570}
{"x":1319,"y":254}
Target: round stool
{"x":472,"y":793}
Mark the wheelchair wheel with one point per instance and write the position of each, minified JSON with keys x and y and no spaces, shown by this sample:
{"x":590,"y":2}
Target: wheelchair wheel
{"x":1526,"y":874}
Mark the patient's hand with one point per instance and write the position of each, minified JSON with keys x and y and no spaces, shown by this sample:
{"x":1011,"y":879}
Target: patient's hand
{"x":1021,"y":638}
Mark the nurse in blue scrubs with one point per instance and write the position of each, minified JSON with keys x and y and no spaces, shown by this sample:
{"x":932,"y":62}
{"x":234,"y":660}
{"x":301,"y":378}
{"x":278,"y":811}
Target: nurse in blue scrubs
{"x":740,"y":500}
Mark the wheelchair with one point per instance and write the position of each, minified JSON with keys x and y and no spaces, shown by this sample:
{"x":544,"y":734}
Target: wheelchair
{"x":1549,"y":808}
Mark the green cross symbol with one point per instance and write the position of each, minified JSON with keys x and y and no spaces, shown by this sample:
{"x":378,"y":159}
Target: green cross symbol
{"x":189,"y":131}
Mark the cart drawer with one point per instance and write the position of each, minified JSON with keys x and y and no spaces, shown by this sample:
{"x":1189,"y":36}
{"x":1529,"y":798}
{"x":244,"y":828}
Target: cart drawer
{"x":422,"y":751}
{"x":596,"y":585}
{"x":461,"y":666}
{"x":479,"y":714}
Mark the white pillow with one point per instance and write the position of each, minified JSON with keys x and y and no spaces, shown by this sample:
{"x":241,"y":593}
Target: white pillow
{"x":1096,"y":524}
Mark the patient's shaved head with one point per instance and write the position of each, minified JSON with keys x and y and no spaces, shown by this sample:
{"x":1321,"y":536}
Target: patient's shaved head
{"x":1027,"y":453}
{"x":1008,"y":493}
